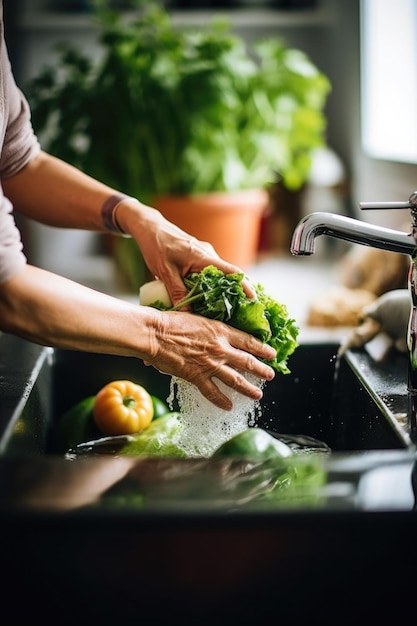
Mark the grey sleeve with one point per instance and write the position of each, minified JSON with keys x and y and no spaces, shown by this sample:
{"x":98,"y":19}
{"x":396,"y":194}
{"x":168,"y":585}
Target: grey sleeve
{"x":12,"y":258}
{"x":20,"y":143}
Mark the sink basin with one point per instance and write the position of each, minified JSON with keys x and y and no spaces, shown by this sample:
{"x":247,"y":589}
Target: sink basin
{"x":348,"y":405}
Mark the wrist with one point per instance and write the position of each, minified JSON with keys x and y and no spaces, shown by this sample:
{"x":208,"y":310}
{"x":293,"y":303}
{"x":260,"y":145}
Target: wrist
{"x":109,"y":212}
{"x":136,"y":218}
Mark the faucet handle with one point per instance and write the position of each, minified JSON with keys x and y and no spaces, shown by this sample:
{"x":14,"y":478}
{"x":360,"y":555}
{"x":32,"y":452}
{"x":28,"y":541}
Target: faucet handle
{"x":411,"y":204}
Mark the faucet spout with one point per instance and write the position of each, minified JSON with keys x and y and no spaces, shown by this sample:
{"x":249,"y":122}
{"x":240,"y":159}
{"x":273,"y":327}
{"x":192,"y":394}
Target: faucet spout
{"x":348,"y":229}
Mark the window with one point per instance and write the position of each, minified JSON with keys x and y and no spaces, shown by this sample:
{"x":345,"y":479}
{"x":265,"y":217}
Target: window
{"x":389,"y":79}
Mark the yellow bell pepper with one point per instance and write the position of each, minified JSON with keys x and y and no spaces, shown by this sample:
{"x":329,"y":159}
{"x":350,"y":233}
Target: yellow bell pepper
{"x":122,"y":407}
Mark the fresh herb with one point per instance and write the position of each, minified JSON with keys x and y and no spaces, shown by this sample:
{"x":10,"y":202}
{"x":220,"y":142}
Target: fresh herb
{"x":221,"y":297}
{"x":191,"y":110}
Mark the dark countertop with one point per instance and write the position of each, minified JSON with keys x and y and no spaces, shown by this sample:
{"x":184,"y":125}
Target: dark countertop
{"x":20,"y":364}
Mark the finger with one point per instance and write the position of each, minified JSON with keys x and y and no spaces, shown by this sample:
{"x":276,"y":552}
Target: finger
{"x":229,"y":268}
{"x":174,"y":284}
{"x":232,"y":379}
{"x":241,"y":383}
{"x":248,"y":288}
{"x":248,"y":348}
{"x":246,"y":363}
{"x":177,"y":295}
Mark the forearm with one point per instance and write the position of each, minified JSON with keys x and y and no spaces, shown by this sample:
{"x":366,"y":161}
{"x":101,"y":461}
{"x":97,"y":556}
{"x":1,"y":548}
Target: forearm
{"x":55,"y":193}
{"x":51,"y":310}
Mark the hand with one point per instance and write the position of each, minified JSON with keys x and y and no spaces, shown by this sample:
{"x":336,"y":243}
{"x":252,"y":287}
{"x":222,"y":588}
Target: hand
{"x":169,"y":252}
{"x":198,"y":350}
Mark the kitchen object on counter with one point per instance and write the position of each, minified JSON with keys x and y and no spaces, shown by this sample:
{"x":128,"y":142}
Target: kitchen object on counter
{"x":387,"y":316}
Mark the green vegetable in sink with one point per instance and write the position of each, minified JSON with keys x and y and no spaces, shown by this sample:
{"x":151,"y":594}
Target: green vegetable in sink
{"x":160,"y":407}
{"x":161,"y":439}
{"x":220,"y":296}
{"x":158,"y":439}
{"x":75,"y":426}
{"x":254,"y":444}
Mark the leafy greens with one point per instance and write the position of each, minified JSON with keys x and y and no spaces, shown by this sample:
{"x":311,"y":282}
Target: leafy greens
{"x":220,"y":296}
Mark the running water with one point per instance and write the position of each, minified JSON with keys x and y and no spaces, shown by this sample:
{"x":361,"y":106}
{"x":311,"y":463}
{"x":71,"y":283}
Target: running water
{"x":205,"y":427}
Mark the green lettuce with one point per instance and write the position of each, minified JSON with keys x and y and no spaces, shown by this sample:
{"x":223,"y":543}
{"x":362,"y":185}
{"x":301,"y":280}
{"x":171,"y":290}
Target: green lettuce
{"x":158,"y":439}
{"x":220,"y":296}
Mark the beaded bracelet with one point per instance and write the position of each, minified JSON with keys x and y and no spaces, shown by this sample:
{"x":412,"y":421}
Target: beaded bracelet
{"x":108,"y":212}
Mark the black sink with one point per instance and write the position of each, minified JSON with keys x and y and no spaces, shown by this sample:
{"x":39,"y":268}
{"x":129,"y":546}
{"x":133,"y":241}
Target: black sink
{"x":348,"y":405}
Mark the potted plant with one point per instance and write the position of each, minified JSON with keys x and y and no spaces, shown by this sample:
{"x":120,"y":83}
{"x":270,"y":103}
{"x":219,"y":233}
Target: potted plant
{"x":170,"y":111}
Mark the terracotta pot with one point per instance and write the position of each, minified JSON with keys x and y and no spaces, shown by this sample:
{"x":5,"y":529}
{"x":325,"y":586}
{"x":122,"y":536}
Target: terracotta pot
{"x":230,"y":221}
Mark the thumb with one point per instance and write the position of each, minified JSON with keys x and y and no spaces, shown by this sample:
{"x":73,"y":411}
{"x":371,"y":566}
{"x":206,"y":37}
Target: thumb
{"x":176,"y":289}
{"x":177,"y":293}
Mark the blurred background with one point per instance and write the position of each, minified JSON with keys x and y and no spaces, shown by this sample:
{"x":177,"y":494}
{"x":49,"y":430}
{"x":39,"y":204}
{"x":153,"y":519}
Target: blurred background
{"x":365,"y":50}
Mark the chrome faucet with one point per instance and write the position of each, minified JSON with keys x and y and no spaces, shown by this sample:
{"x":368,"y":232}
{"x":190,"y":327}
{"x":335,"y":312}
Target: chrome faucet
{"x":356,"y":231}
{"x":348,"y":229}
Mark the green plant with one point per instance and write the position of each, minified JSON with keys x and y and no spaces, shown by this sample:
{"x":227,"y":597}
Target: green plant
{"x":168,"y":110}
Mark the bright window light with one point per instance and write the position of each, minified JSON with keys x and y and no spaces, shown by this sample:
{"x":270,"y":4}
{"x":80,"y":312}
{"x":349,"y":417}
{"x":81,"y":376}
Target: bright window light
{"x":389,"y":79}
